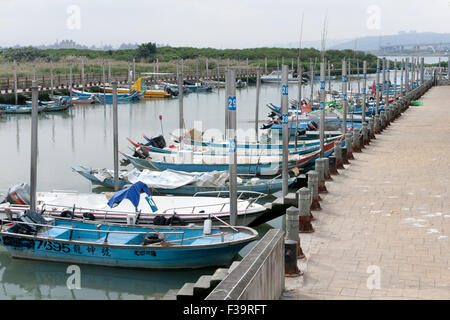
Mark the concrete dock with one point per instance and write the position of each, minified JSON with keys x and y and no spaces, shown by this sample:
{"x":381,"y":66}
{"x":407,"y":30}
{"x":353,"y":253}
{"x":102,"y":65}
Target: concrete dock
{"x":383,"y":231}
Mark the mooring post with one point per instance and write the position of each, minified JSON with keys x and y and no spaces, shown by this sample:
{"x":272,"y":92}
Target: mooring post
{"x":231,"y":94}
{"x":327,"y":174}
{"x":15,"y":82}
{"x":134,"y":70}
{"x":356,"y":145}
{"x":70,"y":80}
{"x":51,"y":78}
{"x":348,"y":145}
{"x":82,"y":74}
{"x":377,"y":89}
{"x":338,"y":155}
{"x":299,"y":97}
{"x":408,"y":88}
{"x":388,"y":84}
{"x":109,"y":71}
{"x":258,"y":91}
{"x":34,"y":144}
{"x":383,"y":119}
{"x":372,"y":128}
{"x":180,"y":82}
{"x":365,"y":134}
{"x":313,"y":185}
{"x":377,"y":124}
{"x":364,"y":91}
{"x":320,"y":168}
{"x":322,"y":109}
{"x":344,"y":97}
{"x":284,"y":116}
{"x":293,"y":228}
{"x":395,"y":81}
{"x":304,"y":206}
{"x":104,"y":82}
{"x":129,"y":74}
{"x":115,"y":137}
{"x":290,"y":259}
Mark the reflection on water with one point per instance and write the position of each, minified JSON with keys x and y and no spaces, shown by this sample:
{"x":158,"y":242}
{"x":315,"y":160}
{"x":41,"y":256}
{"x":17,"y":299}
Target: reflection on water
{"x":28,"y":279}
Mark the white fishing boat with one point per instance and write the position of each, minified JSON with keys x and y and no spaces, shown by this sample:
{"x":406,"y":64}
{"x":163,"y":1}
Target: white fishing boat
{"x":148,"y":209}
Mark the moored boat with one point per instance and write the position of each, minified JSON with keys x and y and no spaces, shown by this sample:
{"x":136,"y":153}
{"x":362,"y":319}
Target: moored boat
{"x":170,"y":247}
{"x":194,"y":183}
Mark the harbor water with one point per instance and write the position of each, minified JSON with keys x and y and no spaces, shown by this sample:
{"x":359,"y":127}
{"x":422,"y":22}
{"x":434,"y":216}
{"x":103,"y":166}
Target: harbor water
{"x":84,"y":136}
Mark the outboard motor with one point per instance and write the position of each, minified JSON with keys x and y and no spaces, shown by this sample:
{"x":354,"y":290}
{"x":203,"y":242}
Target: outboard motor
{"x":19,"y":194}
{"x":141,"y":152}
{"x":29,"y":216}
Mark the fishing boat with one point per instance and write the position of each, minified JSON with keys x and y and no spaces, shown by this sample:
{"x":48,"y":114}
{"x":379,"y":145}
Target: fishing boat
{"x":79,"y":100}
{"x":106,"y":244}
{"x":19,"y":109}
{"x":180,"y":183}
{"x":143,"y":207}
{"x":222,"y":149}
{"x":264,"y":165}
{"x":141,"y":86}
{"x":108,"y":98}
{"x":199,"y":87}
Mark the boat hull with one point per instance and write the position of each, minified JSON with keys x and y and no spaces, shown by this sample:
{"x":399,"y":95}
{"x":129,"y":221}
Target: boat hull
{"x":95,"y":254}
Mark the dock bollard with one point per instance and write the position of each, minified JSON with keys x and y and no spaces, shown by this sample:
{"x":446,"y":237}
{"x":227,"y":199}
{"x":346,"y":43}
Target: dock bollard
{"x":320,"y":168}
{"x":327,"y":175}
{"x":388,"y":116}
{"x":348,"y":145}
{"x":332,"y":165}
{"x":344,"y":155}
{"x":292,"y":228}
{"x":377,"y":124}
{"x":338,"y":155}
{"x":365,"y":134}
{"x":372,"y":129}
{"x":290,"y":259}
{"x":383,"y":120}
{"x":356,"y":147}
{"x":304,"y":207}
{"x":313,"y":186}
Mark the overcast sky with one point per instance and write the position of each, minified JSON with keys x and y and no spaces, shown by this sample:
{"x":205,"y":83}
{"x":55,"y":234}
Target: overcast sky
{"x":212,"y":23}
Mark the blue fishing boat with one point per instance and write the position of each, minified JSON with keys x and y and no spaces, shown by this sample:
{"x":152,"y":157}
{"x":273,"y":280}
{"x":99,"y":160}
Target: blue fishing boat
{"x":198,"y":88}
{"x":108,"y":97}
{"x":250,"y":165}
{"x":303,"y":147}
{"x":266,"y":186}
{"x":132,"y":246}
{"x":19,"y":109}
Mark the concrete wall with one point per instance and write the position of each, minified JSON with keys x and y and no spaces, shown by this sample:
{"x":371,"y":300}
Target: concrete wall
{"x":259,"y":276}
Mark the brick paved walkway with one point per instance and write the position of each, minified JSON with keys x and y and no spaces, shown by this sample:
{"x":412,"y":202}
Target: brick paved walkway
{"x":389,"y":209}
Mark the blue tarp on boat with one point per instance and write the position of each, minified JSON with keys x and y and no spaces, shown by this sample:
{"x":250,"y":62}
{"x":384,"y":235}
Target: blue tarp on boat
{"x":132,"y":193}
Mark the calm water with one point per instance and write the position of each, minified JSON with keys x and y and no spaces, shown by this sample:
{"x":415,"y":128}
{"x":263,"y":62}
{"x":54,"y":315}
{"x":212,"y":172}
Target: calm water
{"x":84,"y":136}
